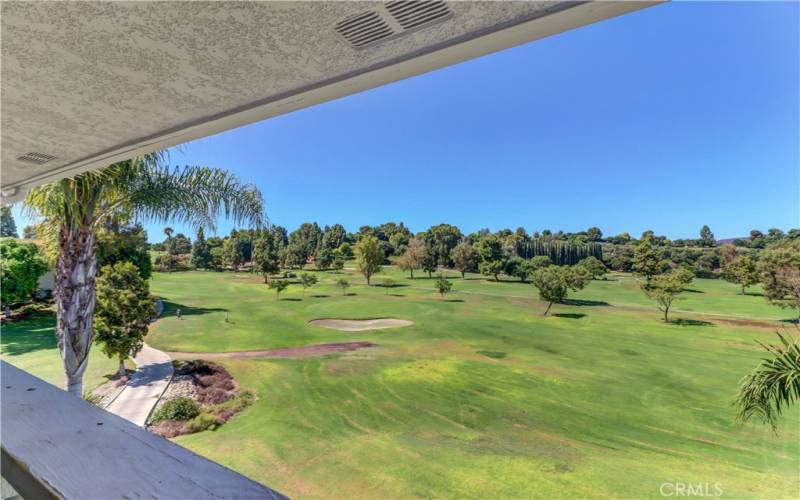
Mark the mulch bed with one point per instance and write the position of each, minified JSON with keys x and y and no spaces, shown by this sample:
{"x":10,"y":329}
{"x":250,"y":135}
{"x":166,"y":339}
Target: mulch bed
{"x":211,"y":386}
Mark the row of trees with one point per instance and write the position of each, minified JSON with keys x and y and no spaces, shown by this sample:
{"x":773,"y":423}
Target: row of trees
{"x":328,"y":247}
{"x":515,"y":254}
{"x":776,"y":268}
{"x":491,"y":257}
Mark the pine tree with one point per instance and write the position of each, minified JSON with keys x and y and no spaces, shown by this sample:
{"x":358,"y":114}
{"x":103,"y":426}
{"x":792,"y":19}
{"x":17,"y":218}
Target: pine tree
{"x":648,"y":260}
{"x":201,"y":254}
{"x":7,"y":225}
{"x":707,"y":237}
{"x":265,"y":255}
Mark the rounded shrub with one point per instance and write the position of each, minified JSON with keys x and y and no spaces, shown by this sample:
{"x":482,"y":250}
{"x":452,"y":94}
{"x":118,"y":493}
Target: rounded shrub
{"x":181,"y":408}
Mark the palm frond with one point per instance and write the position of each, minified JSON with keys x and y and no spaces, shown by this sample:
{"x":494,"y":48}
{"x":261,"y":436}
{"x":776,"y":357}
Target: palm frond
{"x":195,"y":196}
{"x":145,"y":188}
{"x":773,"y":385}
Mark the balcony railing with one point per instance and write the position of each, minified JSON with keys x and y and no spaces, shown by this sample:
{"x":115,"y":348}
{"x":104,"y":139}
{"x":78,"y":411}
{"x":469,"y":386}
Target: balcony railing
{"x":55,"y":445}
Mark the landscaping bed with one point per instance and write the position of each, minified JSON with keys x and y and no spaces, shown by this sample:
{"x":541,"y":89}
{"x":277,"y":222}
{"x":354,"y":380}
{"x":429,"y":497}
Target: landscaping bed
{"x":104,"y":394}
{"x":202,"y":396}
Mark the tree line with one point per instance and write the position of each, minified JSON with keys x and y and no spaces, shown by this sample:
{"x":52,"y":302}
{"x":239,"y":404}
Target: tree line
{"x":666,"y":266}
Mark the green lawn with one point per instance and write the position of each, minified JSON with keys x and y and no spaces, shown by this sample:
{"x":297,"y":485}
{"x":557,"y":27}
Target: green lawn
{"x":31,"y":345}
{"x":482,"y":396}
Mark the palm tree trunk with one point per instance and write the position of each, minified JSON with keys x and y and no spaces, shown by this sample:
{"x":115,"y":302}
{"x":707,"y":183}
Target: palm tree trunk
{"x":75,"y":299}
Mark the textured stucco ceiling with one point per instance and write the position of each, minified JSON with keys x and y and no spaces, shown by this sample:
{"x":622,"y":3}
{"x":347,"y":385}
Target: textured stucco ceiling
{"x":89,"y":82}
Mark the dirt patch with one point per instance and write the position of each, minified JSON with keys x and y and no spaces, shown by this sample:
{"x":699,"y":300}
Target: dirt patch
{"x":360,"y":325}
{"x":308,"y":351}
{"x":105,"y":393}
{"x":746,"y":322}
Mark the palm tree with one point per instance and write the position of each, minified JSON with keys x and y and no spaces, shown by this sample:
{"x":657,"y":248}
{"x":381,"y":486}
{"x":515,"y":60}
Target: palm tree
{"x":168,"y":231}
{"x":773,"y":385}
{"x":143,"y":188}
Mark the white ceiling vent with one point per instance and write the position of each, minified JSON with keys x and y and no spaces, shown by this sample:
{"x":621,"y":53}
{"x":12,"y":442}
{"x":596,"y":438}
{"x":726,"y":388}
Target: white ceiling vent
{"x":37,"y":158}
{"x":415,"y":14}
{"x":364,"y":29}
{"x":390,"y":20}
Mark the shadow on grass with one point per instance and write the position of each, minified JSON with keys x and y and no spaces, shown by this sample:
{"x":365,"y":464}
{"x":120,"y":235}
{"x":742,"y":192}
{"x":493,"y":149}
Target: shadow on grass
{"x":320,"y":296}
{"x":493,"y":354}
{"x":791,"y":321}
{"x":587,"y":303}
{"x":691,"y":322}
{"x":291,"y":299}
{"x":546,"y":348}
{"x":453,"y":300}
{"x":570,"y":315}
{"x":395,"y":295}
{"x":171,"y":307}
{"x":692,"y":290}
{"x":33,"y":333}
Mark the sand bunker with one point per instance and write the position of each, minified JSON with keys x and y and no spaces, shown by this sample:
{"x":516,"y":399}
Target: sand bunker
{"x":360,"y":325}
{"x":288,"y":352}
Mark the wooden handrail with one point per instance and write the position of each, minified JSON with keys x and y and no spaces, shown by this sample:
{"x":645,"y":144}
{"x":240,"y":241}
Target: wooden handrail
{"x":55,"y":445}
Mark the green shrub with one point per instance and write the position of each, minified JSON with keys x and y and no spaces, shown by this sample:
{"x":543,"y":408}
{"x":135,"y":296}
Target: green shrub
{"x":33,"y":308}
{"x":177,"y":409}
{"x":92,"y":398}
{"x":21,"y":265}
{"x":202,"y":422}
{"x":224,"y":411}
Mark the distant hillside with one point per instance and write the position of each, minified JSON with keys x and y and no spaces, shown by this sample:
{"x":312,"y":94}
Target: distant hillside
{"x":728,"y":241}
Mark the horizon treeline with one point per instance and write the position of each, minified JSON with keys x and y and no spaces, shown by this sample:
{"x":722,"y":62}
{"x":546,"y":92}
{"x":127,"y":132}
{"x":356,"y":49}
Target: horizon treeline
{"x":329,"y":246}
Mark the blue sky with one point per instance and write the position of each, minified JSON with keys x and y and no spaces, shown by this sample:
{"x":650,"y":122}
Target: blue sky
{"x":676,"y":116}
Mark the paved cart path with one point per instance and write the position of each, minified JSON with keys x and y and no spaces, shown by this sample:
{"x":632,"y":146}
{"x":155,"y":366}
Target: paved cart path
{"x":145,"y":387}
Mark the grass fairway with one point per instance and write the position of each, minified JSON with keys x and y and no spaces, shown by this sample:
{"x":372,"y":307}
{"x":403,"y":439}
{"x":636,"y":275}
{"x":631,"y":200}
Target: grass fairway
{"x":482,"y":396}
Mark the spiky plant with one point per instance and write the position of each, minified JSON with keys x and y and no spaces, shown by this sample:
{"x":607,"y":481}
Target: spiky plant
{"x":142,"y":188}
{"x":773,"y":385}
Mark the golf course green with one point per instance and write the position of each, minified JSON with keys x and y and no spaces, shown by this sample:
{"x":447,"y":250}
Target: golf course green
{"x":481,"y":395}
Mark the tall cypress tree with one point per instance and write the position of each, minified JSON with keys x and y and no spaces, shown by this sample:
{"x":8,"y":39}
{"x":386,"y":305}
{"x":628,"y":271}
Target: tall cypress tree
{"x":201,"y":254}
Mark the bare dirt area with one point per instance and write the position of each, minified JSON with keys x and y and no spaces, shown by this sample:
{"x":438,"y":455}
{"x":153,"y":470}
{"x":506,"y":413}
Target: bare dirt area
{"x":747,"y":322}
{"x":360,"y":325}
{"x":308,"y":351}
{"x":104,"y":394}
